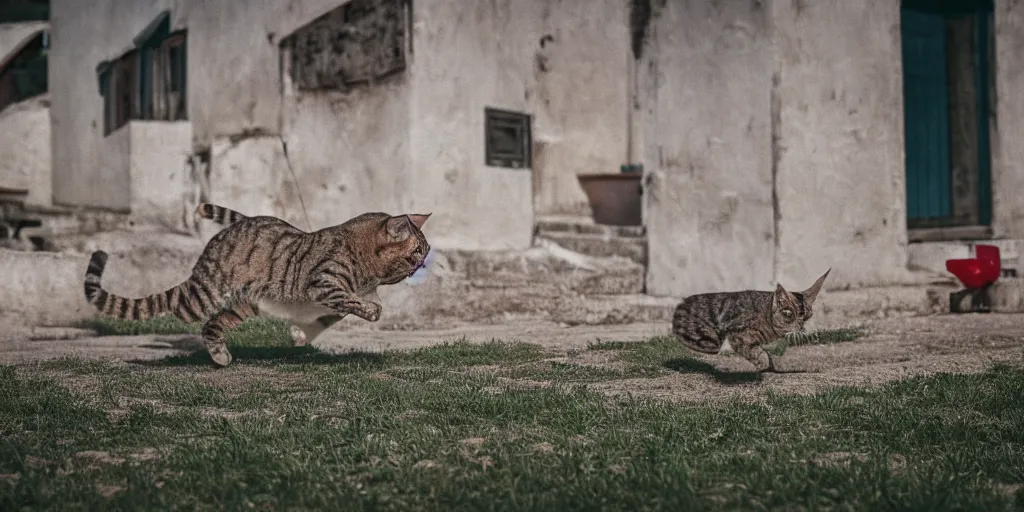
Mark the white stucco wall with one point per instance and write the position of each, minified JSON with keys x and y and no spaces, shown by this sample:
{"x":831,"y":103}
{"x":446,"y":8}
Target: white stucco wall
{"x":162,"y":189}
{"x":460,"y":68}
{"x":83,"y":34}
{"x":248,"y":176}
{"x":114,"y":158}
{"x":840,"y":177}
{"x":350,"y":151}
{"x":580,"y":96}
{"x":1007,"y":150}
{"x":25,"y":149}
{"x":234,"y":61}
{"x":708,"y":204}
{"x":25,"y":143}
{"x":721,"y":80}
{"x":490,"y":54}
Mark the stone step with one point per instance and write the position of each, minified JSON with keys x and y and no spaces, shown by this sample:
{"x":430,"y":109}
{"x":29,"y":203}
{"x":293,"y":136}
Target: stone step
{"x":586,"y":226}
{"x":1007,"y":295}
{"x":551,"y":264}
{"x":601,"y":245}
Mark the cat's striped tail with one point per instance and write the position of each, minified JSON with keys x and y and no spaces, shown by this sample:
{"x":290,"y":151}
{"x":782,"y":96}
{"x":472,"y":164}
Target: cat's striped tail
{"x":189,"y":301}
{"x":218,"y":214}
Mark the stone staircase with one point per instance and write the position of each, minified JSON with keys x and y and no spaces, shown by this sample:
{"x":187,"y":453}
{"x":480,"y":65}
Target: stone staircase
{"x":582,"y":235}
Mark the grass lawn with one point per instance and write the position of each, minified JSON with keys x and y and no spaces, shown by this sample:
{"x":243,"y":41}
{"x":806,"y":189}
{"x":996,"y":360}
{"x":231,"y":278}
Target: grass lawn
{"x":498,"y":426}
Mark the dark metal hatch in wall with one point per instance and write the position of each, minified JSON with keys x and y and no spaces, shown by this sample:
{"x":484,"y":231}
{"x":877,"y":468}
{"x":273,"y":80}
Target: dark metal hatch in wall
{"x":507,"y":138}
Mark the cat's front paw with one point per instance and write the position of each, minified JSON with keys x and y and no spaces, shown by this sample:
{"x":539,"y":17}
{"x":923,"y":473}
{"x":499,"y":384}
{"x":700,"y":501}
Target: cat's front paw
{"x":298,"y":336}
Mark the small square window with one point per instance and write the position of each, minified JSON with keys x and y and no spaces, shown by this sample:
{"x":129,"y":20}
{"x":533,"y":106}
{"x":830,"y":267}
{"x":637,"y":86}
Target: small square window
{"x":507,"y":138}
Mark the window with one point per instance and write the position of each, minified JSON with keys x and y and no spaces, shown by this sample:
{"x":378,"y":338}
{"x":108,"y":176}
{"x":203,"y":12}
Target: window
{"x":149,"y":82}
{"x":507,"y":138}
{"x":163,"y":92}
{"x":361,"y":41}
{"x":24,"y":75}
{"x":120,"y":85}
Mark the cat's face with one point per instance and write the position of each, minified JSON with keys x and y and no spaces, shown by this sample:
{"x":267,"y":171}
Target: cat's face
{"x":786,"y":313}
{"x":790,"y":311}
{"x":403,"y":246}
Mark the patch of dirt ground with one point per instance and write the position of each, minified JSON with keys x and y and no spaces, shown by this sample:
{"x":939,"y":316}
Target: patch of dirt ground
{"x":894,"y":348}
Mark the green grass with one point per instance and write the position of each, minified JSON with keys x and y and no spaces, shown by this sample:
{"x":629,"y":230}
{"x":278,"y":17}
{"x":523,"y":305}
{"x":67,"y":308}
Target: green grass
{"x":255,"y":332}
{"x":414,"y":431}
{"x":491,"y":426}
{"x":653,"y":352}
{"x":567,"y":372}
{"x":105,"y":326}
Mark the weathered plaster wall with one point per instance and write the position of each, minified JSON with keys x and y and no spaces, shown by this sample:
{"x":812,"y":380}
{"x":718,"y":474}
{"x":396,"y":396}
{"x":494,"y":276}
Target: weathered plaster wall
{"x":468,"y":57}
{"x":580,"y":95}
{"x":113,"y":157}
{"x":564,"y":65}
{"x":1007,"y":150}
{"x":83,"y":35}
{"x":162,"y":189}
{"x":708,"y":202}
{"x":234,"y":62}
{"x":25,"y":149}
{"x":361,"y":150}
{"x":839,"y":142}
{"x":350,"y":151}
{"x":248,"y":175}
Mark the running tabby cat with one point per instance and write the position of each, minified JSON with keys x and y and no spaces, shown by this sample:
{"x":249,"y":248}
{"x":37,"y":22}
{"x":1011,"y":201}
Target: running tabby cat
{"x":746,"y":320}
{"x":264,"y":265}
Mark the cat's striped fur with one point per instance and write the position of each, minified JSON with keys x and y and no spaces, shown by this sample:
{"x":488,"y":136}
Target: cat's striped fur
{"x":264,"y":265}
{"x":745,"y":320}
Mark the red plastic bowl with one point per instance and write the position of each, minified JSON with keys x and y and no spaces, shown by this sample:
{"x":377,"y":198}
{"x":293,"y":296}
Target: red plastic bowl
{"x":969,"y":272}
{"x":988,"y":255}
{"x":978,"y":271}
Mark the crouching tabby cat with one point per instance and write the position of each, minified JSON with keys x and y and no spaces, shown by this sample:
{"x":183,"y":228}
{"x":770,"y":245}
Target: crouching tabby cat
{"x":746,"y":320}
{"x":264,"y":265}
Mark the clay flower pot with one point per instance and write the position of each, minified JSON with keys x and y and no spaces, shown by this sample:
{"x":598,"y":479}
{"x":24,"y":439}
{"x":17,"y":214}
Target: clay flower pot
{"x":614,"y":197}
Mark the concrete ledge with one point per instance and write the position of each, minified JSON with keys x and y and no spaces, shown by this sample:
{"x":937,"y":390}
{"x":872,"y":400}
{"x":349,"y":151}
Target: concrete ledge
{"x":932,"y":256}
{"x":46,"y":288}
{"x":838,"y":307}
{"x":1007,"y":295}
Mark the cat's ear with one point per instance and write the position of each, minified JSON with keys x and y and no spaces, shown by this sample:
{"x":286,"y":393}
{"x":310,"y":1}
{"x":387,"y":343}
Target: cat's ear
{"x":811,"y":293}
{"x":781,"y":297}
{"x":399,"y":227}
{"x":418,"y":219}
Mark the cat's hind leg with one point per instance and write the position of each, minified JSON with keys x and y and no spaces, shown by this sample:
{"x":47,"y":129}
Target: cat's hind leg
{"x":303,"y":333}
{"x":696,"y":335}
{"x":214,"y":329}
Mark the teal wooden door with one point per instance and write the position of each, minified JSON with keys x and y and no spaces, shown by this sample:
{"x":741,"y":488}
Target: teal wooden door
{"x":926,"y":116}
{"x":931,"y":30}
{"x":983,"y":81}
